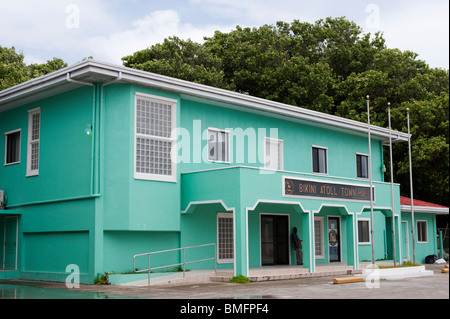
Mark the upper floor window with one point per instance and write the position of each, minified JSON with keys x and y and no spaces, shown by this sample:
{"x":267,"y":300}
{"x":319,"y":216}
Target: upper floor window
{"x":34,"y":128}
{"x":319,"y":159}
{"x":273,"y":155}
{"x":155,"y":122}
{"x":218,"y":145}
{"x":362,"y":167}
{"x":12,"y":147}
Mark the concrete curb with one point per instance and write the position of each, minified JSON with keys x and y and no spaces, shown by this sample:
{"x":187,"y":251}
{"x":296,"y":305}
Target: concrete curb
{"x":395,"y":273}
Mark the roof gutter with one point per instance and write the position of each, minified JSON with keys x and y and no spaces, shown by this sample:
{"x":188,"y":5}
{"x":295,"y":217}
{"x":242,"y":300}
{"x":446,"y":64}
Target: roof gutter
{"x":69,"y":79}
{"x":425,"y":209}
{"x":119,"y":77}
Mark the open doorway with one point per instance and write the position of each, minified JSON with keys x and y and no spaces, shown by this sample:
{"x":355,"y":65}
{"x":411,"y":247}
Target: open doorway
{"x":274,"y":240}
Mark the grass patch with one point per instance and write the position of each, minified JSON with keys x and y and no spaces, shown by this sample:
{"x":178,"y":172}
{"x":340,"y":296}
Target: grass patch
{"x":406,"y":264}
{"x":102,"y":280}
{"x":240,"y":280}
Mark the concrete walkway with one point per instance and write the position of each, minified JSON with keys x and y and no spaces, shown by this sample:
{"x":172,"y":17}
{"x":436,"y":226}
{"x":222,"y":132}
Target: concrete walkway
{"x":257,"y":274}
{"x":430,"y":287}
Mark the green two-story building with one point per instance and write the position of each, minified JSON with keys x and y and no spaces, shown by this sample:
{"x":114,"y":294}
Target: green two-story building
{"x":103,"y":162}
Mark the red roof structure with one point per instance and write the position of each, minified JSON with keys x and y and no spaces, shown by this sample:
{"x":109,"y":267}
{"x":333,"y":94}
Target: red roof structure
{"x":422,"y":206}
{"x":407,"y":201}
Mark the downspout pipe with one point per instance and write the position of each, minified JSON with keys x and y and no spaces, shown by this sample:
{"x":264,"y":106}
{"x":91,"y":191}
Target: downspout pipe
{"x":119,"y":77}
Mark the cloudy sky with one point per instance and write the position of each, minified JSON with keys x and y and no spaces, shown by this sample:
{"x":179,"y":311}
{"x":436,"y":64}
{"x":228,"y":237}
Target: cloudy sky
{"x":111,"y":29}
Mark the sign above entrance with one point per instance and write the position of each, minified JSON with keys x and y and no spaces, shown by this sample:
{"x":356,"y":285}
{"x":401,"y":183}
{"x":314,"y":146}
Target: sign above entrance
{"x":301,"y":187}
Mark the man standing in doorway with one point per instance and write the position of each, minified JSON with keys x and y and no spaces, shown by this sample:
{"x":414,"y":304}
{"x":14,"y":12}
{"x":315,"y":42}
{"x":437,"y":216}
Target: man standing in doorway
{"x":297,"y":246}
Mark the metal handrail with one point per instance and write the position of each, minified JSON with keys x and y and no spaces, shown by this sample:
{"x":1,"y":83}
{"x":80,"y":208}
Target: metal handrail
{"x":173,"y":265}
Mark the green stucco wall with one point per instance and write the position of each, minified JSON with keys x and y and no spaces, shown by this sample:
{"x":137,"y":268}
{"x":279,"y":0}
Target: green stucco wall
{"x":86,"y":208}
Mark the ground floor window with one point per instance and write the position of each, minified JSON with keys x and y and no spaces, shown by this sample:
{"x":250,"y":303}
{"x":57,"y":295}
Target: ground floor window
{"x":319,"y":238}
{"x":225,"y":238}
{"x":422,"y":236}
{"x":363,"y":231}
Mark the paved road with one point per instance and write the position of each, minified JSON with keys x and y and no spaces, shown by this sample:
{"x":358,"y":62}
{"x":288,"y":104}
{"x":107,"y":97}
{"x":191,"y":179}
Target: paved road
{"x":433,"y":287}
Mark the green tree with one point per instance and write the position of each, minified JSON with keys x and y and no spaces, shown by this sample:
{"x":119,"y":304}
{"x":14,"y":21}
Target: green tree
{"x":13,"y":69}
{"x":329,"y":66}
{"x":429,"y":121}
{"x":183,"y":59}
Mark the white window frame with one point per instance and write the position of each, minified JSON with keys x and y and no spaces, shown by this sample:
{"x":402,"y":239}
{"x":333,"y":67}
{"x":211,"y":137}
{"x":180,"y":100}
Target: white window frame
{"x":326,"y":159}
{"x":279,"y":155}
{"x":171,"y":139}
{"x":6,"y":146}
{"x":33,"y":171}
{"x":219,"y":151}
{"x":357,"y":226}
{"x":319,"y":219}
{"x":225,"y":260}
{"x":356,"y":160}
{"x":426,"y":231}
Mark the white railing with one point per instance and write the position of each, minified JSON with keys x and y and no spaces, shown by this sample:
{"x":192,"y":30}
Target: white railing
{"x":149,"y":269}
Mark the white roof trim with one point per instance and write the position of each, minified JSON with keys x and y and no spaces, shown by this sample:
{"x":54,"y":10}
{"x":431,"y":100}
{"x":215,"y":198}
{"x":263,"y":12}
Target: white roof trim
{"x":425,"y":209}
{"x":109,"y":72}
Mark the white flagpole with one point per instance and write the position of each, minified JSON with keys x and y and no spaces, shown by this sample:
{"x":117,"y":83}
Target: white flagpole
{"x":370,"y":180}
{"x":392,"y":185}
{"x":411,"y":184}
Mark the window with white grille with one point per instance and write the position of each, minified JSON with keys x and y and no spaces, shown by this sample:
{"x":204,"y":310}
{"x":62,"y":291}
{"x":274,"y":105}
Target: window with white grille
{"x":319,"y":249}
{"x":155,"y":120}
{"x":225,"y":238}
{"x":34,"y":127}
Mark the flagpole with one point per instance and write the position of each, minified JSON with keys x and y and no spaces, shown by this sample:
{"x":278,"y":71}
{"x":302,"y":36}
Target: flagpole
{"x":392,"y":185}
{"x":411,"y":184}
{"x":370,"y":180}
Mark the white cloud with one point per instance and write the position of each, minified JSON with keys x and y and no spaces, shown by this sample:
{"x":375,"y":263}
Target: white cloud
{"x":423,"y":29}
{"x":257,"y":13}
{"x":72,"y":30}
{"x":31,"y":59}
{"x":416,"y":25}
{"x":109,"y":30}
{"x":143,"y":33}
{"x":41,"y":29}
{"x":43,"y":22}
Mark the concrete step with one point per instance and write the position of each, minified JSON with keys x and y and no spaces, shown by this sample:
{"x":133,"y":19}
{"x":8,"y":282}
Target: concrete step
{"x":266,"y":273}
{"x":281,"y":275}
{"x":192,"y":276}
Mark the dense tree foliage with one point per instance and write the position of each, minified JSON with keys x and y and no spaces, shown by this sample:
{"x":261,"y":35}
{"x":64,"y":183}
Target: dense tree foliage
{"x":329,"y":66}
{"x":13,"y":69}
